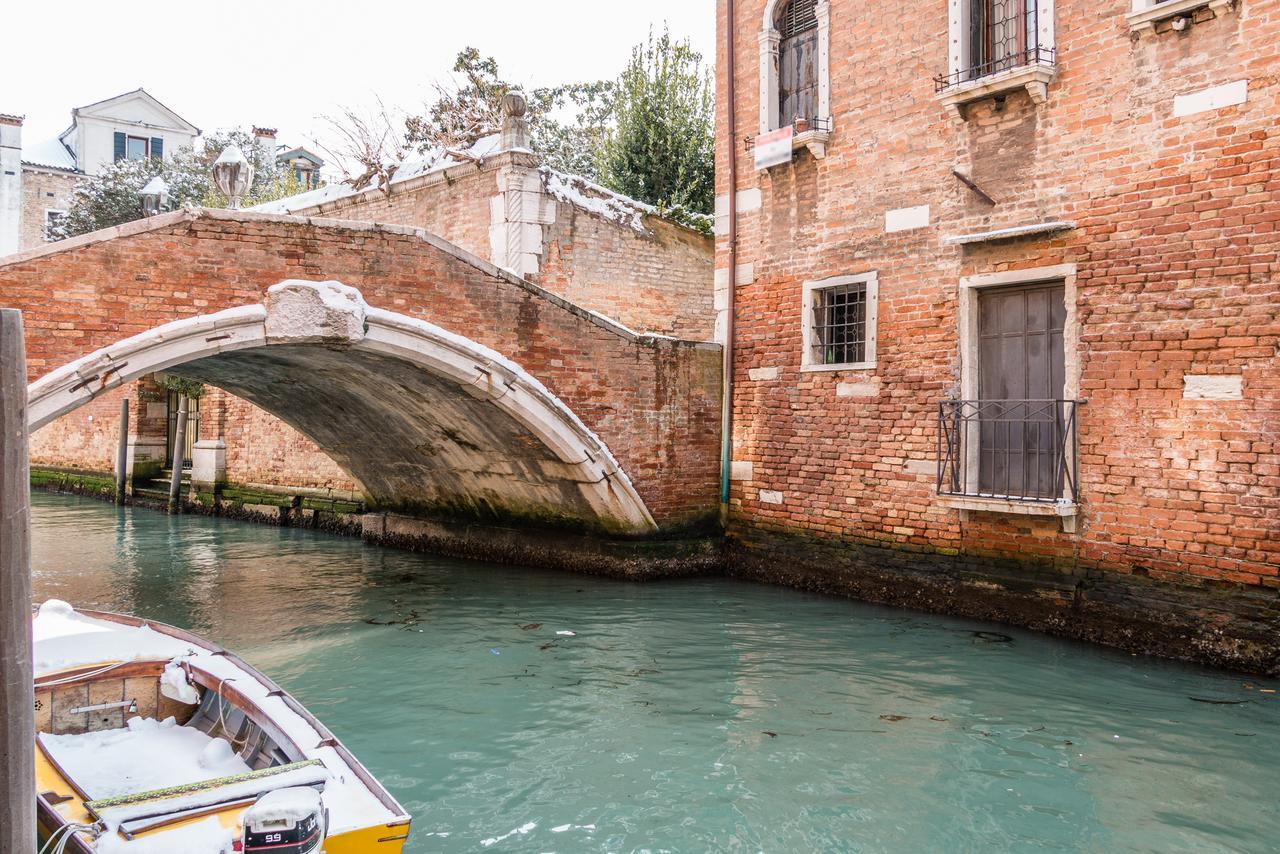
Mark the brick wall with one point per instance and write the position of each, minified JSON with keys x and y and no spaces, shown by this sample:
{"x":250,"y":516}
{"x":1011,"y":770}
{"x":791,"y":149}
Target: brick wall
{"x":40,"y":191}
{"x":658,"y":280}
{"x":653,"y":402}
{"x":1175,"y":251}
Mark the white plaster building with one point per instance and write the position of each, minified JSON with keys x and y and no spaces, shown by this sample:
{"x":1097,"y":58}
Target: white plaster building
{"x":37,"y":177}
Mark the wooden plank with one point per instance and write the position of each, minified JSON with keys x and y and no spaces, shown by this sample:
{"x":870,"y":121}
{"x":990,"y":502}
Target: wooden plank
{"x":145,"y":692}
{"x":44,"y":711}
{"x":105,"y":691}
{"x":65,"y":701}
{"x":17,"y":691}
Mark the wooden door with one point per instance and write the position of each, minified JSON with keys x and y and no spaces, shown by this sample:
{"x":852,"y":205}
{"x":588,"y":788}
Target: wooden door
{"x":1021,"y":385}
{"x":798,"y":77}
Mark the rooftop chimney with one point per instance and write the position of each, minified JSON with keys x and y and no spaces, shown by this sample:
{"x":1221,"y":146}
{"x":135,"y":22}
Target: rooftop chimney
{"x":265,"y":139}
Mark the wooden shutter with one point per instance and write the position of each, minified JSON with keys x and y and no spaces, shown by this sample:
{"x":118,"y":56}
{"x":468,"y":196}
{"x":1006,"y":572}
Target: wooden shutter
{"x":157,"y":147}
{"x":120,"y":153}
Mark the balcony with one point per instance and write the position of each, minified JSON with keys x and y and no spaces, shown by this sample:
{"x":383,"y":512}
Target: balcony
{"x":998,"y":47}
{"x":1012,"y":456}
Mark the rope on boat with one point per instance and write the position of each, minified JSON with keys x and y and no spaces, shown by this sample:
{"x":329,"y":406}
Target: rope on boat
{"x":78,"y":676}
{"x":62,"y":837}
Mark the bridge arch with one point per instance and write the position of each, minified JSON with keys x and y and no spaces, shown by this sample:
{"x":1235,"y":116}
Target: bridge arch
{"x":425,"y":419}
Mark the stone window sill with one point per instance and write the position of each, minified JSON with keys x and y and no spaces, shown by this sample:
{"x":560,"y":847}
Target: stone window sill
{"x":1063,"y":509}
{"x":814,"y":140}
{"x":1146,"y":19}
{"x":847,"y":366}
{"x":1035,"y":78}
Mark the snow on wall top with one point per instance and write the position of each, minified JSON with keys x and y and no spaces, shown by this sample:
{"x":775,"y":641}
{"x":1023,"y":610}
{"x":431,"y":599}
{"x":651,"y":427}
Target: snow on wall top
{"x":602,"y":202}
{"x":436,"y":161}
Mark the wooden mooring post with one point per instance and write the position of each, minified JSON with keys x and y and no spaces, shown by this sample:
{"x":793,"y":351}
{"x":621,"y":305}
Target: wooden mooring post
{"x":179,"y":454}
{"x":122,"y":452}
{"x":17,"y":693}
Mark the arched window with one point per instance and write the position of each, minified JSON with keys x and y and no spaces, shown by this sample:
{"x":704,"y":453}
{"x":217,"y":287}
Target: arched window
{"x":795,"y":40}
{"x":797,"y":27}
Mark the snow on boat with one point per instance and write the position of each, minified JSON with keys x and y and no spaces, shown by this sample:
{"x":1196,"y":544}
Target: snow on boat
{"x":150,"y":739}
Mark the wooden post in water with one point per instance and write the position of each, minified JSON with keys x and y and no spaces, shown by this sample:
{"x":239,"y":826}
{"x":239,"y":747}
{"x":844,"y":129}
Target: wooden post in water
{"x":17,"y":694}
{"x":122,"y":451}
{"x":179,"y":454}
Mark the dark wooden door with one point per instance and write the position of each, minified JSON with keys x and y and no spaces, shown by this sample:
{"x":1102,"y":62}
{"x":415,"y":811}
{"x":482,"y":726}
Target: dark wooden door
{"x":798,"y":77}
{"x":1021,"y":383}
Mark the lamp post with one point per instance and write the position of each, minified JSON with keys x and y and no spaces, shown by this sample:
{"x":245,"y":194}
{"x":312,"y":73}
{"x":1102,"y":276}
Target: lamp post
{"x":232,"y":173}
{"x":154,"y":196}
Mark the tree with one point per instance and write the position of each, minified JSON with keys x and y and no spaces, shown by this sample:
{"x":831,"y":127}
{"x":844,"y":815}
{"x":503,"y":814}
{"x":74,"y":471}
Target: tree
{"x":111,"y":197}
{"x":469,"y":109}
{"x":660,"y":148}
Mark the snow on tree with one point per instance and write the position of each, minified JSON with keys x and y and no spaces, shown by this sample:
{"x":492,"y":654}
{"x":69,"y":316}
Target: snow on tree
{"x":112,"y":196}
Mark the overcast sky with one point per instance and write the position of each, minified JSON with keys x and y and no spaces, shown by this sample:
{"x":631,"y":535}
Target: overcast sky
{"x":230,"y":63}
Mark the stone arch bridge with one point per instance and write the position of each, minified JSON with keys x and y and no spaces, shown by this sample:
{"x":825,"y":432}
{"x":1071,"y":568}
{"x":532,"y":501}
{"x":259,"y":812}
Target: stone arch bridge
{"x":448,"y":388}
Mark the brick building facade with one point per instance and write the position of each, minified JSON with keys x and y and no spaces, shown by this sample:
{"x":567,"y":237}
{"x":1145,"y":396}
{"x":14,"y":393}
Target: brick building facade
{"x":1077,"y":203}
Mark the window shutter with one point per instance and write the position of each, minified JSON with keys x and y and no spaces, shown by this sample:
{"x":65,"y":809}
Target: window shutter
{"x":157,"y":147}
{"x":120,"y":152}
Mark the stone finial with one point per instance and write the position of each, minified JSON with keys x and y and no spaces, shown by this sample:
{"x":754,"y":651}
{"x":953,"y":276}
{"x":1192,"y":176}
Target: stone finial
{"x":515,"y":127}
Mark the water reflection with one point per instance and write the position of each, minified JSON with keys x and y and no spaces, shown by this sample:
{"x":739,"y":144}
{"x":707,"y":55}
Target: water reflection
{"x":691,"y":715}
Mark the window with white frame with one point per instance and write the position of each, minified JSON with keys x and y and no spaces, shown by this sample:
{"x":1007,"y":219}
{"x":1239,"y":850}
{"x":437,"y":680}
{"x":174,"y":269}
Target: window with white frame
{"x":53,"y":220}
{"x":988,"y":37}
{"x":795,"y":40}
{"x":839,"y":322}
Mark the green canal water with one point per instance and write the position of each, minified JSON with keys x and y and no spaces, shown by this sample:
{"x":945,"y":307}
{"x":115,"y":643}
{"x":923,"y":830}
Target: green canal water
{"x":702,"y":715}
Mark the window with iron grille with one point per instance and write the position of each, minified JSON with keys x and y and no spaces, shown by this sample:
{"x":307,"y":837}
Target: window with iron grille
{"x":998,"y":35}
{"x":840,"y":321}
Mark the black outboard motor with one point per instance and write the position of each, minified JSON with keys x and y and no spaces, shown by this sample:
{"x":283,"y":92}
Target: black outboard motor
{"x":286,"y":821}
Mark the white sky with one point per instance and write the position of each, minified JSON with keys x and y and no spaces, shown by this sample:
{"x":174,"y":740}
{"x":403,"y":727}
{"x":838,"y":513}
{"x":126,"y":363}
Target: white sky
{"x":230,"y":63}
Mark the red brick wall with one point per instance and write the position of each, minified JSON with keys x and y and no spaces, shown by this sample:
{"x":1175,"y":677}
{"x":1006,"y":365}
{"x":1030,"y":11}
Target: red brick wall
{"x":656,"y":281}
{"x":1176,"y":251}
{"x":457,"y":209}
{"x":655,"y":403}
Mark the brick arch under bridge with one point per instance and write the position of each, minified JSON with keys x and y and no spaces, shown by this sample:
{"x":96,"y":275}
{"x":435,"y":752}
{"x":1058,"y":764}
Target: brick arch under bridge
{"x":456,"y":390}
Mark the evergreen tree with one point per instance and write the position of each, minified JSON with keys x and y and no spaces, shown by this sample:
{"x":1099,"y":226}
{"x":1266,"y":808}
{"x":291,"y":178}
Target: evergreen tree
{"x":660,"y":148}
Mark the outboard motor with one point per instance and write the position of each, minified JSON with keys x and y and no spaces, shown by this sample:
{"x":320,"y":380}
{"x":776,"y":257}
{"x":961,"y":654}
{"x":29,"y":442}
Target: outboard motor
{"x":286,"y":821}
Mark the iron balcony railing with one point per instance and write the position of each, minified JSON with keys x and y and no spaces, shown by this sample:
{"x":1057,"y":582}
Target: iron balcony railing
{"x":1016,"y":450}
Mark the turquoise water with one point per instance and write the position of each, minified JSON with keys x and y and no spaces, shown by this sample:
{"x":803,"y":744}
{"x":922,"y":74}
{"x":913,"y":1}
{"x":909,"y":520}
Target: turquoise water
{"x":703,"y":715}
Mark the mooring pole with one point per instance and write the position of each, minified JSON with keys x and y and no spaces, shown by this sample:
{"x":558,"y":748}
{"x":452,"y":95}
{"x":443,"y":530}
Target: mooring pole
{"x":17,"y":693}
{"x":122,"y":451}
{"x":179,"y":454}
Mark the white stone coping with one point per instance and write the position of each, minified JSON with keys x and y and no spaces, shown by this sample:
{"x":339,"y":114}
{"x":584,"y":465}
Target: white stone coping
{"x":1009,"y":233}
{"x":1146,"y":18}
{"x":991,"y":504}
{"x":194,"y":214}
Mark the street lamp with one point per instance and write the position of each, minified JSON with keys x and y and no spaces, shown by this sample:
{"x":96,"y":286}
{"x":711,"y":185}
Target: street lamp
{"x":232,"y":174}
{"x":154,"y":196}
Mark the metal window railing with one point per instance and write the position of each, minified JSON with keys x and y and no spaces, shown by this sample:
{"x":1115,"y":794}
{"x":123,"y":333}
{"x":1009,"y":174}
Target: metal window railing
{"x":1017,"y":450}
{"x":1003,"y":34}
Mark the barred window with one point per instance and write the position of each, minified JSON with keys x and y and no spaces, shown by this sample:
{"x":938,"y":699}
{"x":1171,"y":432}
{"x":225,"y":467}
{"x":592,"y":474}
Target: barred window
{"x":840,"y":321}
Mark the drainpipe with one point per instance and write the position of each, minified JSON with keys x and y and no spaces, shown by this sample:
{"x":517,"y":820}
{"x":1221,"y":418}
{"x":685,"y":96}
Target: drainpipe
{"x":726,"y":422}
